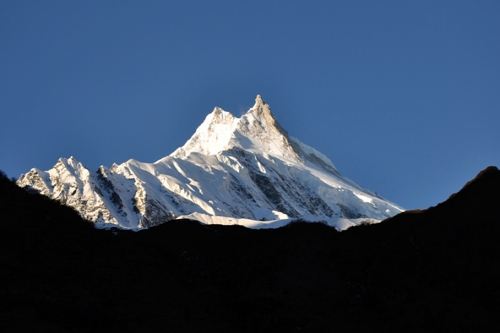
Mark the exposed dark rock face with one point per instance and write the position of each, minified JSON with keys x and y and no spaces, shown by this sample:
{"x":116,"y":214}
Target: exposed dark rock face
{"x":430,"y":270}
{"x":107,"y":185}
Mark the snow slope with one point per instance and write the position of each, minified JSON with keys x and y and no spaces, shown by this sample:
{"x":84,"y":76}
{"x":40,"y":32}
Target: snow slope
{"x":245,"y":170}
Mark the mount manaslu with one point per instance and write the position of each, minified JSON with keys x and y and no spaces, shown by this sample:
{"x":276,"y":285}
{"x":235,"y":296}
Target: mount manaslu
{"x":245,"y":170}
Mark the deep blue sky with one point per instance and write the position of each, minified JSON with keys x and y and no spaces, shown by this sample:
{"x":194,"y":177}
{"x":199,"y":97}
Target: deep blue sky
{"x":402,"y":96}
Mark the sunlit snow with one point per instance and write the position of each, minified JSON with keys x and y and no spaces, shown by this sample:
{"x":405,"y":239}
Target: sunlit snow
{"x":246,"y":171}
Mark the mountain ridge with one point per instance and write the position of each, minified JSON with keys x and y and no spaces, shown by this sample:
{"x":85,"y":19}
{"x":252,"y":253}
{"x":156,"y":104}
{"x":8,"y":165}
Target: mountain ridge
{"x":245,"y":170}
{"x":431,"y":271}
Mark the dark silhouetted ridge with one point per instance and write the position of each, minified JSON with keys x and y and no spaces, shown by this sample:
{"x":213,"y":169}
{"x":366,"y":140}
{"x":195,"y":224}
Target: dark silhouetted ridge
{"x":432,"y":270}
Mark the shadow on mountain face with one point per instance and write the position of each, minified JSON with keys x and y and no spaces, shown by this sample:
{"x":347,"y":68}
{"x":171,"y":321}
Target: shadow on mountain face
{"x":431,"y":270}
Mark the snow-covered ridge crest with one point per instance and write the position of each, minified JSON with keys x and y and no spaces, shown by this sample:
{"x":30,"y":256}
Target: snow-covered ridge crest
{"x":245,"y":170}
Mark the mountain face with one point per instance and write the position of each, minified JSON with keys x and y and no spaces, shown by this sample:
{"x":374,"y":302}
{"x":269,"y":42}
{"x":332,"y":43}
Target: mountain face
{"x":245,"y":170}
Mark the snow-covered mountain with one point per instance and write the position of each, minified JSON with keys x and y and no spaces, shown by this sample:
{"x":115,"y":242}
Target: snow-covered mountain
{"x":245,"y":170}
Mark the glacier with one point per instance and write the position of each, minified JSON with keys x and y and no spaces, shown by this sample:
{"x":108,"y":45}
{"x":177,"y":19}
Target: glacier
{"x":247,"y":171}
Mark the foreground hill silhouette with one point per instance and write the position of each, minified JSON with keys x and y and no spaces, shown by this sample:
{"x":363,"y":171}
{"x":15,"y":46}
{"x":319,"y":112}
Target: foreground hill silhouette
{"x":430,"y":270}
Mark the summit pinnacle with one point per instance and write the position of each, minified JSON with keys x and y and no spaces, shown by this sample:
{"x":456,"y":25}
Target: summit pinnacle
{"x":259,"y":101}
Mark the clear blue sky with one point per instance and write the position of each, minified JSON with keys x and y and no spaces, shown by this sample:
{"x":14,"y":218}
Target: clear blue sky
{"x":402,"y":96}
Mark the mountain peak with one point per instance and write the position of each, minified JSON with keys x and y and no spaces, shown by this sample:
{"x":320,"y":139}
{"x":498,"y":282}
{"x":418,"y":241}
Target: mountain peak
{"x":212,"y":136}
{"x":232,"y":170}
{"x":219,"y":116}
{"x":486,"y":182}
{"x":258,"y":129}
{"x":261,"y":108}
{"x":261,"y":122}
{"x":259,"y":101}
